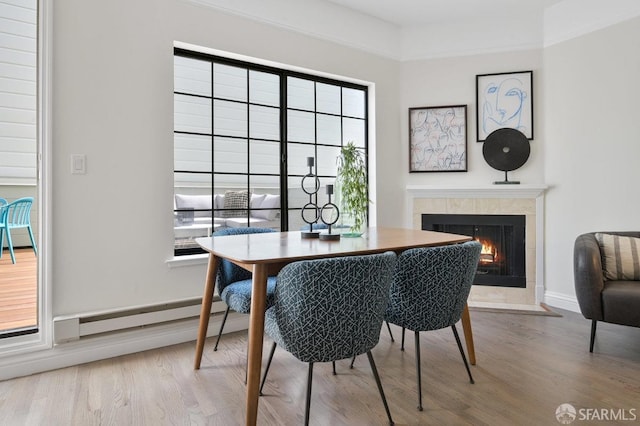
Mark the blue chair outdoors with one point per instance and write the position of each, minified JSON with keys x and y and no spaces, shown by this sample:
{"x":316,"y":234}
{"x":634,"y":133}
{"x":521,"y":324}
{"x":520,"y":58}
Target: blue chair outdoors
{"x":234,"y":283}
{"x":330,"y":309}
{"x":429,"y":290}
{"x":3,"y":202}
{"x":15,"y":215}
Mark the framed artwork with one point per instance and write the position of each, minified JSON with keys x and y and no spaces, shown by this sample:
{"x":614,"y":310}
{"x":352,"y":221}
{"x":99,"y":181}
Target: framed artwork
{"x":504,"y":100}
{"x":438,"y":139}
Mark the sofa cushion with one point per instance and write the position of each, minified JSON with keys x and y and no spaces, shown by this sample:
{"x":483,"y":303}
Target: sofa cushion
{"x":236,"y":204}
{"x":270,"y":201}
{"x":256,"y":200}
{"x":620,"y":301}
{"x":218,"y":201}
{"x":620,"y":256}
{"x":195,"y":202}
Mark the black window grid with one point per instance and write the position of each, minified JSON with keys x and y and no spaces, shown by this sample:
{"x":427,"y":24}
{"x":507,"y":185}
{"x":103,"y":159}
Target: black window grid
{"x":283,"y":141}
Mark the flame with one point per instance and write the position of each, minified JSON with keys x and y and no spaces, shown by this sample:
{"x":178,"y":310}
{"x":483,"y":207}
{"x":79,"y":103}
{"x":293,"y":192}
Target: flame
{"x":488,"y":254}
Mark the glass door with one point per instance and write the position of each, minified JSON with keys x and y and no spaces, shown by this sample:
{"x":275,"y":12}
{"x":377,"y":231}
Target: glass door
{"x":18,"y":167}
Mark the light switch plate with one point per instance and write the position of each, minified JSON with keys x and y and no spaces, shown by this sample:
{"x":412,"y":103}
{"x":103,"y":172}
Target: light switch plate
{"x":78,"y":164}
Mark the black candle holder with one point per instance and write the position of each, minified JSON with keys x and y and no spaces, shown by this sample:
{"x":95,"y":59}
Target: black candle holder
{"x":307,"y":180}
{"x":329,"y":236}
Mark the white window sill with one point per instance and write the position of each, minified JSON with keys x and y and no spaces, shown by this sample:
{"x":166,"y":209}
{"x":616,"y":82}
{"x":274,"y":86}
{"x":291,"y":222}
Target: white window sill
{"x":190,"y":260}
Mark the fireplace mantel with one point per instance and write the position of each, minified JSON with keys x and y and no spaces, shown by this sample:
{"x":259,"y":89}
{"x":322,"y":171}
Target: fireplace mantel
{"x":480,"y":191}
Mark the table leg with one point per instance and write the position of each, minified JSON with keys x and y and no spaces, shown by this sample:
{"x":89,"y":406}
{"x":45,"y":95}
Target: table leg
{"x":205,"y":311}
{"x":468,"y":334}
{"x":256,"y":334}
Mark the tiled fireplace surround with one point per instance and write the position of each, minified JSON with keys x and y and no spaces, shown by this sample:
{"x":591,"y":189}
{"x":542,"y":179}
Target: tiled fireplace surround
{"x":513,"y":199}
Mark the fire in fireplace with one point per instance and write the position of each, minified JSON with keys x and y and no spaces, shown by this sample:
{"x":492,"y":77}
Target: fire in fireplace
{"x":489,"y":253}
{"x":502,"y":259}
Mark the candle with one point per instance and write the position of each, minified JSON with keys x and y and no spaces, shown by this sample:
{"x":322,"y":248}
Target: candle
{"x":329,"y":189}
{"x":310,"y":161}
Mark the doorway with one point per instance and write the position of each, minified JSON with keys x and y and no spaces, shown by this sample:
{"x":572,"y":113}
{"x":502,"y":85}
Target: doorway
{"x":20,"y":103}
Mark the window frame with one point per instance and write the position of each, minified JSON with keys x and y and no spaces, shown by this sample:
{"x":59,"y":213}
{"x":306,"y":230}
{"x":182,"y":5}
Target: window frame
{"x":40,"y":338}
{"x":284,"y":176}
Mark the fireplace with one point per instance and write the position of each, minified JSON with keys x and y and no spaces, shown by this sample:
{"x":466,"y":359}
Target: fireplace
{"x":502,"y":260}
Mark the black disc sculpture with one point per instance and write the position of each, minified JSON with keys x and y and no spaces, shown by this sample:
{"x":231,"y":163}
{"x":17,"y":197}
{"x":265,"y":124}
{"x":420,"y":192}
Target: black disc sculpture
{"x":506,"y":150}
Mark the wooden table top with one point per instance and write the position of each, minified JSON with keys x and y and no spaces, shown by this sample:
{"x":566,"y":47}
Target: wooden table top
{"x":290,"y":246}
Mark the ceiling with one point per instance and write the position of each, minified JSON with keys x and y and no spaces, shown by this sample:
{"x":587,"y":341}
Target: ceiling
{"x":425,"y":29}
{"x":410,"y":13}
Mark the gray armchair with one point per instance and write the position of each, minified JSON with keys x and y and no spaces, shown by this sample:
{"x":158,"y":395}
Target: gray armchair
{"x":600,"y":299}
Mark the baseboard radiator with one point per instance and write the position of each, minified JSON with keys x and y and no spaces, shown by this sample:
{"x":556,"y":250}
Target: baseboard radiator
{"x":75,"y":327}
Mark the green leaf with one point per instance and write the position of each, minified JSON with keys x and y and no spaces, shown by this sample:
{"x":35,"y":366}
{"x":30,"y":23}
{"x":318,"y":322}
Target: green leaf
{"x":352,"y":179}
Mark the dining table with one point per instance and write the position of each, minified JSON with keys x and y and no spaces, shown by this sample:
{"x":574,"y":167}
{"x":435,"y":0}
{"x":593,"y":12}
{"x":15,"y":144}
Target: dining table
{"x":265,"y":254}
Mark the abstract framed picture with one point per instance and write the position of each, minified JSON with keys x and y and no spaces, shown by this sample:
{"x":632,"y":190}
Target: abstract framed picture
{"x":504,"y":100}
{"x":438,"y":139}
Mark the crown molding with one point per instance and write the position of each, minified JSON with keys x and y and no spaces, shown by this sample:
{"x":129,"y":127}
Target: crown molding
{"x":320,"y":19}
{"x":328,"y":21}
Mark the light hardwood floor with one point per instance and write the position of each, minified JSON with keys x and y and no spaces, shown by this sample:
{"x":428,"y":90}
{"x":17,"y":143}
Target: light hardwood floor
{"x":18,"y":290}
{"x":527,"y":366}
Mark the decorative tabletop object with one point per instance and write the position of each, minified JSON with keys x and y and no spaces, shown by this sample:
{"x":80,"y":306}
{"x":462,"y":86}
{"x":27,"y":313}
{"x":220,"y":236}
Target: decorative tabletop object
{"x":328,"y":217}
{"x":506,"y":149}
{"x":352,"y":181}
{"x":310,"y":185}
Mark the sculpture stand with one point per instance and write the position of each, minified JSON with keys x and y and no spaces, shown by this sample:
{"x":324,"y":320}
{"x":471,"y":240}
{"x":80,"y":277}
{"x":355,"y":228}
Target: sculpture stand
{"x":310,"y":206}
{"x":317,"y":213}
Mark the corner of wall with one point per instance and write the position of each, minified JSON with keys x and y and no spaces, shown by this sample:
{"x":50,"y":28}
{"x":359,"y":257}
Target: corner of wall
{"x":574,"y":18}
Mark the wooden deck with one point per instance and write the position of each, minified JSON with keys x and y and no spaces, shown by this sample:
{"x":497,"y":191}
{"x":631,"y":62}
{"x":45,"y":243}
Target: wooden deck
{"x":18,"y":290}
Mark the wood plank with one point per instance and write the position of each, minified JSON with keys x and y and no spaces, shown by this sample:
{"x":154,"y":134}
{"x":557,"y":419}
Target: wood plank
{"x":18,"y":290}
{"x":529,"y":366}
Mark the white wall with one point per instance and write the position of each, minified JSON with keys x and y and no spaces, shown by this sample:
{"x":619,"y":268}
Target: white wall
{"x":451,"y":81}
{"x":113,"y":101}
{"x":592,"y":133}
{"x":586,"y":135}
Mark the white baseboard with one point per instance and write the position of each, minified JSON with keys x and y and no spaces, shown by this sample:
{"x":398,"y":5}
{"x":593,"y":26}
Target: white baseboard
{"x":562,"y":301}
{"x":112,"y":345}
{"x":146,"y":338}
{"x":506,"y":306}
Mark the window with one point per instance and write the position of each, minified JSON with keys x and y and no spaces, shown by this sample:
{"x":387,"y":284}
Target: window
{"x":242,"y":133}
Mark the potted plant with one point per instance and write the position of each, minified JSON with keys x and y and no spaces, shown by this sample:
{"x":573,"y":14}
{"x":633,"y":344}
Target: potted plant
{"x":353,"y":189}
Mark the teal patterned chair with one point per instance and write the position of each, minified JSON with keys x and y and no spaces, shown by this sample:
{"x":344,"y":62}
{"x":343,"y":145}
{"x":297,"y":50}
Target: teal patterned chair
{"x":234,"y":283}
{"x":330,"y":309}
{"x":429,"y":290}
